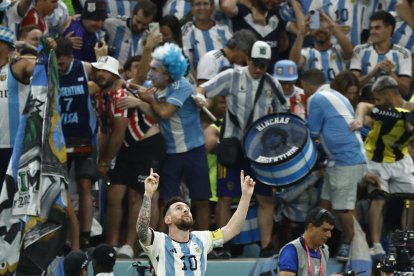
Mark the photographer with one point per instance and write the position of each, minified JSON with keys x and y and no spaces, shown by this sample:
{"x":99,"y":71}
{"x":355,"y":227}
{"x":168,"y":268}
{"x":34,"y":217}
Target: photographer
{"x":308,"y":254}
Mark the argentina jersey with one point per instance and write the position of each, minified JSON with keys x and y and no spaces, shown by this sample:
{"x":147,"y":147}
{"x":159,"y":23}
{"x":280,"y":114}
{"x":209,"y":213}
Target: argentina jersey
{"x":286,"y":11}
{"x":58,"y":19}
{"x":211,"y":64}
{"x":378,"y":5}
{"x":403,"y":34}
{"x":120,"y":8}
{"x":199,"y":42}
{"x":329,"y":116}
{"x":76,"y":108}
{"x":331,"y":61}
{"x":240,"y":88}
{"x":344,"y":12}
{"x":182,"y":131}
{"x":12,"y":18}
{"x":178,"y":8}
{"x":365,"y":57}
{"x":121,"y":38}
{"x":171,"y":258}
{"x":117,"y":8}
{"x":13,"y":97}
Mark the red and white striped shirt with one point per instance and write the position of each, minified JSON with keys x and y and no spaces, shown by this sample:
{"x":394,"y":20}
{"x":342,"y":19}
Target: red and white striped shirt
{"x":107,"y":109}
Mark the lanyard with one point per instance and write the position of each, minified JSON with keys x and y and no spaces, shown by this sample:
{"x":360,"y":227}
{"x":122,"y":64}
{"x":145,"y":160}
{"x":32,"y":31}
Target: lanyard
{"x":310,"y":262}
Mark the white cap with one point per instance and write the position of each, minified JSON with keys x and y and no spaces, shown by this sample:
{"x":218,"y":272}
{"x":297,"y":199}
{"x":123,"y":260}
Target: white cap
{"x":107,"y":63}
{"x":261,"y":50}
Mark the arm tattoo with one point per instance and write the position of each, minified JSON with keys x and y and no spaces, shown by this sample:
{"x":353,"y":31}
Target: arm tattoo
{"x":144,"y":219}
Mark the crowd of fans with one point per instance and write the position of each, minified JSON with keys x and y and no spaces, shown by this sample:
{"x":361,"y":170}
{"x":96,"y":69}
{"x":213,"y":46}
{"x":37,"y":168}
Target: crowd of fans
{"x":133,"y":76}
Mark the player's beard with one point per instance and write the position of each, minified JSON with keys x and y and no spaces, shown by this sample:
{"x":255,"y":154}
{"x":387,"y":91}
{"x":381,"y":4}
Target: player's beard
{"x":185,"y":224}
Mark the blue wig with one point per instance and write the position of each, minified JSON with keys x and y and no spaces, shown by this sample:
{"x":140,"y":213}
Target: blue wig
{"x":173,"y":59}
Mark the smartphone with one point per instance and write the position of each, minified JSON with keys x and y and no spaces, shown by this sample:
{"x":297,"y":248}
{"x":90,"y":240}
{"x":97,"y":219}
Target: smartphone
{"x":315,"y":20}
{"x":154,"y":26}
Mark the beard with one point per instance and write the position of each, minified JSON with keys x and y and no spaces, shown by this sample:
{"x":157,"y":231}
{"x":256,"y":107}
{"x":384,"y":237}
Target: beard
{"x":184,"y":224}
{"x":103,"y":84}
{"x":321,"y":37}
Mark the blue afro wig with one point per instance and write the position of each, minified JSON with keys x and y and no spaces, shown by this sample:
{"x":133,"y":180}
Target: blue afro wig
{"x":173,"y":59}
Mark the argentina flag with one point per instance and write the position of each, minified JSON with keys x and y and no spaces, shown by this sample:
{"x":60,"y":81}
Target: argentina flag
{"x":33,"y":196}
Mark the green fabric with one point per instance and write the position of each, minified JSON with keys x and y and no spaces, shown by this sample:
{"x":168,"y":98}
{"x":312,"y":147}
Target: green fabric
{"x":71,"y":10}
{"x":212,"y":165}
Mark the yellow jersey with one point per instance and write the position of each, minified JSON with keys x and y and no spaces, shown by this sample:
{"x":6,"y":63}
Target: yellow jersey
{"x":388,"y":139}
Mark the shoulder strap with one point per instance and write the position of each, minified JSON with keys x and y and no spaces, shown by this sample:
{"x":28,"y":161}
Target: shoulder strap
{"x":256,"y":98}
{"x":276,"y":90}
{"x":233,"y":118}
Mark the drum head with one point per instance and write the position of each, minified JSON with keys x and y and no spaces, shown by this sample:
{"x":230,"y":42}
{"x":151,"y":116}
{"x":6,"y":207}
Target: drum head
{"x":275,"y":139}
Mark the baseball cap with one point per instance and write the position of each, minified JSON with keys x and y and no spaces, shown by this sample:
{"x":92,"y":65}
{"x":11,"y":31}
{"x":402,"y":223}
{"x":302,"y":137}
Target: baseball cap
{"x":7,"y":36}
{"x":260,"y":53}
{"x":104,"y":254}
{"x":94,"y":10}
{"x":107,"y":63}
{"x":74,"y":262}
{"x":285,"y":70}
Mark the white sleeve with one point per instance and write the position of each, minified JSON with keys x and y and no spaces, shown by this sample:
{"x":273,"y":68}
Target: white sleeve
{"x":156,"y":244}
{"x":207,"y":67}
{"x":356,"y":58}
{"x":405,"y":68}
{"x":206,"y":239}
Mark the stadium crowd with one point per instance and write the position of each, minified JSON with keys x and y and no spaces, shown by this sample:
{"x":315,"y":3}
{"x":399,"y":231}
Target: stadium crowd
{"x":135,"y":78}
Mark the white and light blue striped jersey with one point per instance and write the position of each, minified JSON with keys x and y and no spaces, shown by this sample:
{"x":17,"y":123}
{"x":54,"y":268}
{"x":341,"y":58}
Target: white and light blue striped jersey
{"x":199,"y":42}
{"x":120,"y":37}
{"x":182,"y":131}
{"x":117,"y":8}
{"x":365,"y":57}
{"x":286,"y":11}
{"x":329,"y":116}
{"x":121,"y":8}
{"x":344,"y":12}
{"x":240,"y":89}
{"x":331,"y":61}
{"x":58,"y":19}
{"x":378,"y":5}
{"x":13,"y":97}
{"x":211,"y":64}
{"x":178,"y":8}
{"x":171,"y":258}
{"x":12,"y":19}
{"x":219,"y":17}
{"x":403,"y":34}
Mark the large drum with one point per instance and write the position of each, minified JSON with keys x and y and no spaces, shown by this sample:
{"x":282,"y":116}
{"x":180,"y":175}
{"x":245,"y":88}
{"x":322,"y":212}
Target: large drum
{"x":279,"y":149}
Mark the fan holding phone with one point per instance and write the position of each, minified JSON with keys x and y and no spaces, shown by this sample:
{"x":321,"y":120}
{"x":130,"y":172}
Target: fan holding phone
{"x":324,"y":55}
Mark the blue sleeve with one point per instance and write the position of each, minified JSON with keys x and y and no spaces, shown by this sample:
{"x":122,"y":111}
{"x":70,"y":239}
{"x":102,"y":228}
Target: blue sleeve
{"x":179,"y":93}
{"x":288,"y":259}
{"x":315,"y":116}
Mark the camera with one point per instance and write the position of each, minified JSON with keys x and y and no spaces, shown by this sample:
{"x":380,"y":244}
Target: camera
{"x":143,"y":269}
{"x":400,"y":259}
